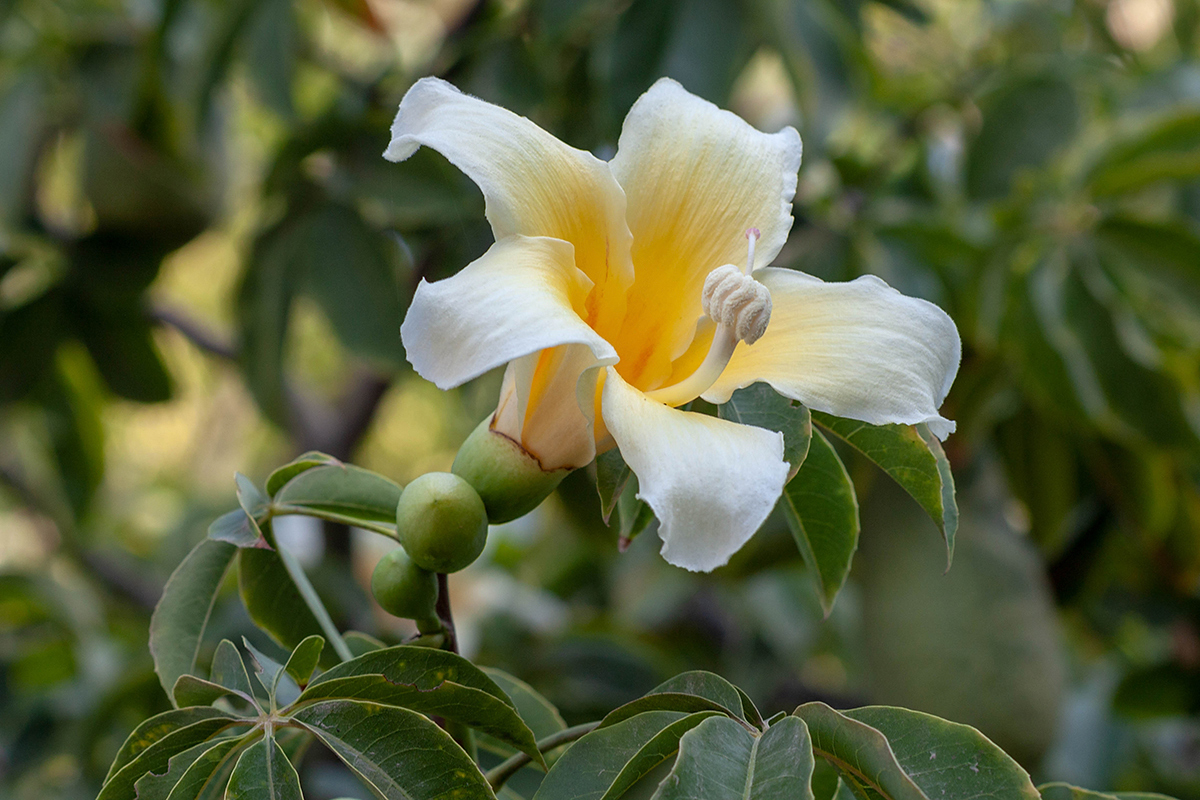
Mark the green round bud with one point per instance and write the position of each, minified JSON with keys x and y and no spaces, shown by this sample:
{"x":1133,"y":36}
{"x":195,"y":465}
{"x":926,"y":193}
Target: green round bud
{"x":441,"y":522}
{"x":510,"y":480}
{"x":403,"y":589}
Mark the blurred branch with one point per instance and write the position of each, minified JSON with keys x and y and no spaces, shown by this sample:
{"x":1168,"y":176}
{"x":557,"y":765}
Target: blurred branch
{"x":194,"y":332}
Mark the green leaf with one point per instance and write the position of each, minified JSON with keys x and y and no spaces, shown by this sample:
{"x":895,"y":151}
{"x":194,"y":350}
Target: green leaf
{"x":400,"y":754}
{"x":1065,"y":791}
{"x":434,"y":682}
{"x":205,"y":779}
{"x":277,"y":479}
{"x":250,"y":497}
{"x":538,"y":713}
{"x":1169,"y":149}
{"x":822,"y":511}
{"x":271,"y":44}
{"x":236,"y":528}
{"x":120,"y":343}
{"x":761,"y":406}
{"x":361,"y":643}
{"x":263,"y":773}
{"x":895,"y":752}
{"x":264,"y":309}
{"x":178,"y":623}
{"x":605,"y":763}
{"x":634,"y":514}
{"x":192,"y":691}
{"x":274,"y":602}
{"x":1024,"y":123}
{"x":913,"y":458}
{"x":154,"y":729}
{"x":157,"y":756}
{"x":229,"y":670}
{"x":267,"y":670}
{"x":304,"y":660}
{"x":612,"y":474}
{"x":721,"y":760}
{"x":707,"y":685}
{"x":862,"y":754}
{"x":344,"y":493}
{"x":160,"y":786}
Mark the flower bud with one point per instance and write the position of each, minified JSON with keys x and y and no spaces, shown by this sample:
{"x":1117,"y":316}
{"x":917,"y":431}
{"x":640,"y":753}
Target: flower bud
{"x":403,"y":589}
{"x":510,"y":480}
{"x":441,"y":521}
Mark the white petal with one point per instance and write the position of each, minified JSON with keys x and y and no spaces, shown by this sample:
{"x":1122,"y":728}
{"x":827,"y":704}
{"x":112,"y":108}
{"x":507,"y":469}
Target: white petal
{"x":860,"y":350}
{"x":710,"y":482}
{"x":695,"y":178}
{"x":533,"y":184}
{"x":518,"y":298}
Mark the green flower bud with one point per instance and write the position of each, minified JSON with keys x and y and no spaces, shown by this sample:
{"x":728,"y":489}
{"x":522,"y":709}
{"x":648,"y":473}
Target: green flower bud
{"x":510,"y":480}
{"x":441,"y":522}
{"x":403,"y":589}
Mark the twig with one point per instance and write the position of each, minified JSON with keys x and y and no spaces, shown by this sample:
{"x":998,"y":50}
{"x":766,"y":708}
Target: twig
{"x":497,"y":776}
{"x":445,"y":616}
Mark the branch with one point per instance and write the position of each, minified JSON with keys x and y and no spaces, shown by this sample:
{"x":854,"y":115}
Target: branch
{"x":498,"y":775}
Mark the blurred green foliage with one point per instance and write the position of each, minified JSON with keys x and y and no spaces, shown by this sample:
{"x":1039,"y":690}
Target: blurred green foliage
{"x":195,"y":212}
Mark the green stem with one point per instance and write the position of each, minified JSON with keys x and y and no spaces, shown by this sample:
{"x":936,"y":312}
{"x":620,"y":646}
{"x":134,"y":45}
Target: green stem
{"x":285,"y":510}
{"x":500,"y":774}
{"x":313,"y":601}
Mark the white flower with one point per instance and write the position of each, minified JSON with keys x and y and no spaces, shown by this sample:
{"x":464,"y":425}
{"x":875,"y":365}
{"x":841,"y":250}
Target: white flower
{"x":594,"y":296}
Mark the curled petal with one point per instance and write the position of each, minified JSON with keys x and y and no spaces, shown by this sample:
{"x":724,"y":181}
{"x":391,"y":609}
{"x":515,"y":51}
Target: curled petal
{"x":518,"y":298}
{"x":532,"y":183}
{"x":710,"y":482}
{"x":859,"y":349}
{"x":696,"y":178}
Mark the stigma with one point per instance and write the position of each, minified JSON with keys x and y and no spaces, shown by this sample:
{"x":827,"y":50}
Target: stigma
{"x":741,"y":307}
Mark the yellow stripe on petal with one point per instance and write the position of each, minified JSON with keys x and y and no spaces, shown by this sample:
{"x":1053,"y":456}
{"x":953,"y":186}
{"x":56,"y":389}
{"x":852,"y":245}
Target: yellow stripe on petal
{"x":532,"y":183}
{"x":696,"y":178}
{"x":859,"y":349}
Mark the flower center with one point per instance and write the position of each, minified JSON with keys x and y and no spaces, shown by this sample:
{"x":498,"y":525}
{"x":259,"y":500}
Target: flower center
{"x":741,"y":307}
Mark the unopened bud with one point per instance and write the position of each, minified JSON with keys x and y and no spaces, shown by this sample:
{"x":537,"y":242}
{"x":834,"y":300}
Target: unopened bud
{"x":510,"y":480}
{"x":441,"y":522}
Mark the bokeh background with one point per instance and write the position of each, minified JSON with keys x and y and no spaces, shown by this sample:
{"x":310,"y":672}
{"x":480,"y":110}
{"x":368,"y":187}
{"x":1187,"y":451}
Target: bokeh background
{"x":204,"y":262}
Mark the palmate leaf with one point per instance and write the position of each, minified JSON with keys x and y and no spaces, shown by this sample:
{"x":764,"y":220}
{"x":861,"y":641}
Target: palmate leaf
{"x":275,"y":603}
{"x":181,"y":616}
{"x":608,"y":761}
{"x":899,"y":754}
{"x":342,"y":493}
{"x":721,"y":760}
{"x":399,"y":753}
{"x":157,"y":727}
{"x":432,"y":682}
{"x":913,"y":458}
{"x":263,"y":773}
{"x":156,"y":757}
{"x":190,"y":772}
{"x":821,"y":509}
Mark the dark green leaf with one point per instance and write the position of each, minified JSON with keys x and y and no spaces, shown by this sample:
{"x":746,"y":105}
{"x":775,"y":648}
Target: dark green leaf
{"x":678,"y":702}
{"x":360,"y":643}
{"x":155,"y":728}
{"x":307,"y":461}
{"x":152,"y":786}
{"x":236,"y":528}
{"x":263,"y":773}
{"x":266,"y":669}
{"x":761,"y":406}
{"x":400,"y":754}
{"x":180,"y":617}
{"x":911,"y":457}
{"x":342,"y":492}
{"x":229,"y":670}
{"x":612,"y":473}
{"x":264,"y":309}
{"x":157,"y":756}
{"x":862,"y":754}
{"x":304,"y":660}
{"x":434,"y":682}
{"x":273,"y":601}
{"x":1167,"y":150}
{"x":604,"y":764}
{"x":205,"y":779}
{"x":271,"y":42}
{"x":250,"y":497}
{"x":822,"y":511}
{"x":538,"y":713}
{"x":1065,"y":791}
{"x":721,"y":760}
{"x":120,"y":343}
{"x":1024,"y":123}
{"x":707,"y":685}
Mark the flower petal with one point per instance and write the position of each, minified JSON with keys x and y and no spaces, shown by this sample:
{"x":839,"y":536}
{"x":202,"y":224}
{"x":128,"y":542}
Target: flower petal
{"x":695,"y":178}
{"x":860,"y":350}
{"x":710,"y":482}
{"x":520,"y":297}
{"x":532,"y":183}
{"x":539,"y":405}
